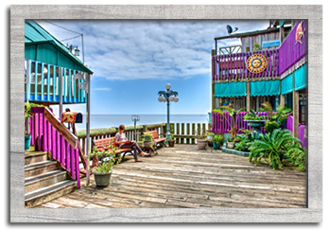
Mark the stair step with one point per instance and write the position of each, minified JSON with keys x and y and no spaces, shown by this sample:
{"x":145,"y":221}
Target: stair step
{"x":44,"y":180}
{"x":51,"y":192}
{"x":34,"y":157}
{"x":40,"y":168}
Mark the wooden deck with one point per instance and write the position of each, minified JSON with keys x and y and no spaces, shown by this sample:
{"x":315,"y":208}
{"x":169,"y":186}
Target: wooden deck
{"x":186,"y":177}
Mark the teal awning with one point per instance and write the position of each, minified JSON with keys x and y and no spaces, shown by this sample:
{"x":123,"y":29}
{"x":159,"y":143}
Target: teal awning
{"x":265,"y":88}
{"x":233,"y":89}
{"x":41,"y":46}
{"x":300,"y":78}
{"x":287,"y":85}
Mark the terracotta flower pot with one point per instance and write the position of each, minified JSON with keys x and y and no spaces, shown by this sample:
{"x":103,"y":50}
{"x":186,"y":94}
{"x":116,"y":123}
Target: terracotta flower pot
{"x":201,"y":144}
{"x":171,"y":143}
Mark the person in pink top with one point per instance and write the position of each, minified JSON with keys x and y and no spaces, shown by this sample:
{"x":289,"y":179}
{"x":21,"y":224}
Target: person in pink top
{"x":123,"y":142}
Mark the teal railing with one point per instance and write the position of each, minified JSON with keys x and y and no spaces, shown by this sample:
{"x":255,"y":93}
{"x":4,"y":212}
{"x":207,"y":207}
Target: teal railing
{"x":42,"y":83}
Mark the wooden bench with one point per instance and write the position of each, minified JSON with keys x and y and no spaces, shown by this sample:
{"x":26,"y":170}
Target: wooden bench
{"x":156,"y":137}
{"x":104,"y":143}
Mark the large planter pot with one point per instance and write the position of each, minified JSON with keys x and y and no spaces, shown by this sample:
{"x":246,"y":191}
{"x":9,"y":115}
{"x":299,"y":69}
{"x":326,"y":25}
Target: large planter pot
{"x":27,"y":142}
{"x":256,"y":127}
{"x":171,"y":143}
{"x":102,"y":179}
{"x":201,"y":144}
{"x":216,"y":146}
{"x":231,"y":145}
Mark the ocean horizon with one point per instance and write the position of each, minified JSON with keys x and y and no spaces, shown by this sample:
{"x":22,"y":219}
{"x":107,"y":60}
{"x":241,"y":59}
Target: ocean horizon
{"x":114,"y":120}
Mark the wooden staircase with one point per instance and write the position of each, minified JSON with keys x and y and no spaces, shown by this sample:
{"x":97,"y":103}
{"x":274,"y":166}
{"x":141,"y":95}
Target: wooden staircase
{"x":45,"y":179}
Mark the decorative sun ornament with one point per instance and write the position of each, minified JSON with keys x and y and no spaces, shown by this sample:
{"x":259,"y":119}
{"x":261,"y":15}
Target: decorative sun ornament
{"x":256,"y":63}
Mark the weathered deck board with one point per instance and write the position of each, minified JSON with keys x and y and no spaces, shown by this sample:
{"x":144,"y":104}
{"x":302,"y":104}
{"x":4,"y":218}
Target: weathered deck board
{"x":186,"y":177}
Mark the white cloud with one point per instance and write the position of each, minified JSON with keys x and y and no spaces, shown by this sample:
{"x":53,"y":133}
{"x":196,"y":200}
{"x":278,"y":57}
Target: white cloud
{"x":133,"y":49}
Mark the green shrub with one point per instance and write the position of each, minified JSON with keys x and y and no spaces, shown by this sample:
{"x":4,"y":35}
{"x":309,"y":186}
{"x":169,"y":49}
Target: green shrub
{"x":297,"y":156}
{"x":272,"y":147}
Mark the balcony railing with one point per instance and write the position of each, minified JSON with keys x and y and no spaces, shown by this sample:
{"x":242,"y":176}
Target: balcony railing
{"x":292,"y":51}
{"x":233,"y":66}
{"x":42,"y":83}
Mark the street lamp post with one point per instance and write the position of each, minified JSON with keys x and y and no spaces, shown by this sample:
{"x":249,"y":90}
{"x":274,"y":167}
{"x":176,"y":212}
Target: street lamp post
{"x":166,"y":97}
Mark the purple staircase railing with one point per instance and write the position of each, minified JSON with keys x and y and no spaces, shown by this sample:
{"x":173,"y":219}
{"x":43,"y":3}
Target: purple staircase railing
{"x":46,"y":138}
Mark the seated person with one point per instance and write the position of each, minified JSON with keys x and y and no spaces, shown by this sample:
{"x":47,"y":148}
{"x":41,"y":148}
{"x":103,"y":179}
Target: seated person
{"x":122,"y":142}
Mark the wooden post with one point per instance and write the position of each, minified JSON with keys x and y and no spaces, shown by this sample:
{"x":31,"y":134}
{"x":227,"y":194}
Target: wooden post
{"x":213,"y":53}
{"x":198,"y":129}
{"x":295,"y":109}
{"x":182,"y":132}
{"x":60,"y":93}
{"x":282,"y":97}
{"x":177,"y":140}
{"x":248,"y":98}
{"x":282,"y":100}
{"x":188,"y":133}
{"x":203,"y":129}
{"x":193,"y":131}
{"x":172,"y":128}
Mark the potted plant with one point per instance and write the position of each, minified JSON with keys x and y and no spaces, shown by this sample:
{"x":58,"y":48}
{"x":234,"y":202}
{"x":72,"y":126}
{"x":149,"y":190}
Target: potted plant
{"x":231,"y":142}
{"x":107,"y":159}
{"x":210,"y":135}
{"x":210,"y":138}
{"x":27,"y":116}
{"x":232,"y":123}
{"x":201,"y":142}
{"x":147,"y":140}
{"x":171,"y":141}
{"x":217,"y":141}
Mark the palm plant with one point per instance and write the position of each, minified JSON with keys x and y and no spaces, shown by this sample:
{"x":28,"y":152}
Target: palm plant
{"x":272,"y":147}
{"x":275,"y":120}
{"x":234,"y":117}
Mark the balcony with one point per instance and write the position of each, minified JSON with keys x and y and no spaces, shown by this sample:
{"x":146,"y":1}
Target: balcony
{"x":280,"y":62}
{"x":232,"y":67}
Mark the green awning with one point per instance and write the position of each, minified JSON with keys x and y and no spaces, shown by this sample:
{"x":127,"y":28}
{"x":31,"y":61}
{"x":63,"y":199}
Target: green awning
{"x":300,"y":77}
{"x":287,"y":85}
{"x":232,"y":89}
{"x":265,"y":88}
{"x":41,"y":46}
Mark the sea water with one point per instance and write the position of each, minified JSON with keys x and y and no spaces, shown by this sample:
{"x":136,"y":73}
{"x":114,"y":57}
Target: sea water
{"x":107,"y":121}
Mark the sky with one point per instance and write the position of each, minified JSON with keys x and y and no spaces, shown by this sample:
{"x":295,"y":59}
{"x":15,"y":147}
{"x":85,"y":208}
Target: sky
{"x":134,"y":59}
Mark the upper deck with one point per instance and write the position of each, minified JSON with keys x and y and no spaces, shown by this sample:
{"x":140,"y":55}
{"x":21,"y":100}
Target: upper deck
{"x":234,"y":67}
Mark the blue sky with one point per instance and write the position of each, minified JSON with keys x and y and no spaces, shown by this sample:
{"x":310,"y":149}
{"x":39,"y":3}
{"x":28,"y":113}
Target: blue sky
{"x":134,"y":59}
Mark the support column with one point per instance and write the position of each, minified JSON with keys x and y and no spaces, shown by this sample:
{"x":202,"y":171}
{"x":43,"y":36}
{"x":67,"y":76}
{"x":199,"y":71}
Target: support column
{"x":60,"y":85}
{"x":88,"y":116}
{"x":295,"y":109}
{"x":212,"y":85}
{"x":282,"y":97}
{"x":248,"y":98}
